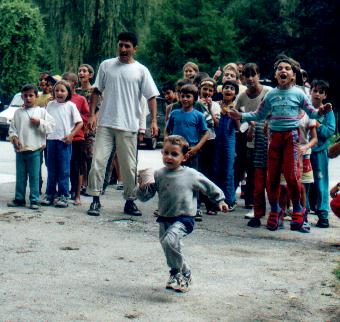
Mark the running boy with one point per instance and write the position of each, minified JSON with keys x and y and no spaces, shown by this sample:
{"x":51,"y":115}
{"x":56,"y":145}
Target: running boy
{"x":283,"y":105}
{"x":27,"y":133}
{"x":176,"y":186}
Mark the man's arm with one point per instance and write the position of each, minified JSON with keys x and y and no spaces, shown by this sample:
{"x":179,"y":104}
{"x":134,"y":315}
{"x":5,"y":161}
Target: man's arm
{"x":152,"y":103}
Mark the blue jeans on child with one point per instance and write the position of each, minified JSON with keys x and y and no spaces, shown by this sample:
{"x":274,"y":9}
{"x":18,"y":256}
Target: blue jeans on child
{"x":27,"y":166}
{"x":58,"y":168}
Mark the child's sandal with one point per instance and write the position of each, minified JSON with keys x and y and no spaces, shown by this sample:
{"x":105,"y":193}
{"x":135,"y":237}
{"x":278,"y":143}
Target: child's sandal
{"x":297,"y":220}
{"x":273,"y":221}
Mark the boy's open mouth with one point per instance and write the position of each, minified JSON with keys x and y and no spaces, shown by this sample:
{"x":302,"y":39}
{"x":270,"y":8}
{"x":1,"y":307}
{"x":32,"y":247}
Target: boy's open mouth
{"x":283,"y":76}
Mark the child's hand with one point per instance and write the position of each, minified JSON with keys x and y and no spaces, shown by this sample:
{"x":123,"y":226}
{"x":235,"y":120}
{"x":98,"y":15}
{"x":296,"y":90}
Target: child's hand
{"x":35,"y":121}
{"x":68,"y":139}
{"x":193,"y":150}
{"x":218,"y":73}
{"x":334,"y":191}
{"x":17,"y":144}
{"x":234,"y":114}
{"x":223,"y":207}
{"x":303,"y":149}
{"x":327,"y":108}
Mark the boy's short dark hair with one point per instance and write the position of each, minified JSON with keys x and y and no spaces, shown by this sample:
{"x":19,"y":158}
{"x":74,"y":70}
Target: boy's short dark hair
{"x":178,"y":140}
{"x":70,"y":77}
{"x":324,"y":85}
{"x":89,"y":68}
{"x":198,"y":78}
{"x":68,"y":88}
{"x":29,"y":87}
{"x":250,"y":68}
{"x":128,"y":36}
{"x":168,"y":86}
{"x":190,"y":89}
{"x":181,"y":82}
{"x":232,"y":83}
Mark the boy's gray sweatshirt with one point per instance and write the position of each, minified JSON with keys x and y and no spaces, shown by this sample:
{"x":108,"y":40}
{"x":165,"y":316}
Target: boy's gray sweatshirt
{"x":177,"y":191}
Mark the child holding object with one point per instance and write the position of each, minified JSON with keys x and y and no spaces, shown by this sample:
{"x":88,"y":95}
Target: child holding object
{"x":176,"y":186}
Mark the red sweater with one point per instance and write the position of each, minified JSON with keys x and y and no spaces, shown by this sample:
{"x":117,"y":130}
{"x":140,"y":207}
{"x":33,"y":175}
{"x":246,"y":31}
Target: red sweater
{"x":84,"y":110}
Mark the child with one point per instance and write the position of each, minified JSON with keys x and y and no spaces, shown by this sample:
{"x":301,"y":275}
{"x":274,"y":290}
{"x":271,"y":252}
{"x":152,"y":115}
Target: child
{"x":77,"y":158}
{"x":59,"y":143}
{"x":283,"y":105}
{"x":46,"y":88}
{"x":190,"y":70}
{"x":176,"y":186}
{"x":191,"y":124}
{"x":325,"y":128}
{"x":225,"y":145}
{"x":169,"y":93}
{"x":27,"y":132}
{"x":211,"y":112}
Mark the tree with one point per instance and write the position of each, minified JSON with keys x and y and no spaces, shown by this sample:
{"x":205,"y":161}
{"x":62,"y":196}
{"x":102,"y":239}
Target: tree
{"x":22,"y":31}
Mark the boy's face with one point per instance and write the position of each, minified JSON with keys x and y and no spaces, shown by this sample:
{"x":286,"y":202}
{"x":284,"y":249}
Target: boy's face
{"x":229,"y":74}
{"x":318,"y":95}
{"x":172,"y":156}
{"x":71,"y":83}
{"x":251,"y":78}
{"x":284,"y":75}
{"x":84,"y":74}
{"x":207,"y":91}
{"x":126,"y":51}
{"x":29,"y":97}
{"x":228,"y":93}
{"x":189,"y":73}
{"x":187,"y":101}
{"x":169,"y":96}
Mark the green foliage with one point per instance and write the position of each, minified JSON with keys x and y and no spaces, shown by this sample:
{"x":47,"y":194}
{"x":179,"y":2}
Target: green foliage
{"x":182,"y":31}
{"x":21,"y":31}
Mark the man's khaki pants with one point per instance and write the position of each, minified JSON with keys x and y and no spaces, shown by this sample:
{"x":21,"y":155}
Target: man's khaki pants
{"x":125,"y":144}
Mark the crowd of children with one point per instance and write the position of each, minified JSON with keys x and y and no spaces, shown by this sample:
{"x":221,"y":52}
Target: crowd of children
{"x":216,"y":136}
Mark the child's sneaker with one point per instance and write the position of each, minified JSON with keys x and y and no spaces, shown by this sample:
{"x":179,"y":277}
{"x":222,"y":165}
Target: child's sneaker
{"x":16,"y":203}
{"x":61,"y":202}
{"x":173,"y":282}
{"x":232,"y":206}
{"x":184,"y":284}
{"x":297,"y":220}
{"x":198,"y":216}
{"x":322,"y":223}
{"x":46,"y":201}
{"x":254,"y":222}
{"x":34,"y":205}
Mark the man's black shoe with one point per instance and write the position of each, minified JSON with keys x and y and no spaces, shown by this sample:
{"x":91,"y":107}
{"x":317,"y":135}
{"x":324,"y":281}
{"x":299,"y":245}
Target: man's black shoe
{"x":94,"y":209}
{"x":130,"y":208}
{"x":322,"y":223}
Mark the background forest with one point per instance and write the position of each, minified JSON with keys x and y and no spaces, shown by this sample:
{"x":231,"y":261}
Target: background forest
{"x":58,"y":35}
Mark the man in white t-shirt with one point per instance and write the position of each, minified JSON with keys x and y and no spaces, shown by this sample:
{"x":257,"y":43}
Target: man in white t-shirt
{"x":122,"y":81}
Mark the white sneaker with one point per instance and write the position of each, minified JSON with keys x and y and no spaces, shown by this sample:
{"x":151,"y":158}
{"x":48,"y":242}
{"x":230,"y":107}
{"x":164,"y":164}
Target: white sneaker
{"x":249,"y":215}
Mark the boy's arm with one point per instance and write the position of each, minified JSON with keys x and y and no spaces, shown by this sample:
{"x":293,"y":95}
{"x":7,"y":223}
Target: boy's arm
{"x":327,"y":128}
{"x":46,"y":123}
{"x":146,"y":192}
{"x":193,"y":150}
{"x":13,"y":135}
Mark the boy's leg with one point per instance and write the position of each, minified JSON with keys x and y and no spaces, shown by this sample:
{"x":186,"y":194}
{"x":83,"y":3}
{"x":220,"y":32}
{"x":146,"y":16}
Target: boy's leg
{"x":170,"y":237}
{"x":102,"y":148}
{"x":250,"y":185}
{"x":33,"y":166}
{"x":21,"y":177}
{"x":64,"y":159}
{"x":228,"y":178}
{"x":260,"y":192}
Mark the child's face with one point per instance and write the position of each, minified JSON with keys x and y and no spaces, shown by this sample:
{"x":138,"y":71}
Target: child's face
{"x":228,"y":93}
{"x":169,"y":96}
{"x":229,"y":74}
{"x":187,"y":100}
{"x":60,"y":93}
{"x":189,"y":73}
{"x":207,"y":91}
{"x":29,"y":97}
{"x":84,"y":74}
{"x":284,"y":75}
{"x":318,"y":95}
{"x":172,"y":156}
{"x":71,"y":83}
{"x":251,"y":78}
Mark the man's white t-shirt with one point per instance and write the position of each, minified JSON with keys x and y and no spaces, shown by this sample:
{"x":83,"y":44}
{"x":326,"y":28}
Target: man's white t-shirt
{"x":123,"y":86}
{"x":66,"y":115}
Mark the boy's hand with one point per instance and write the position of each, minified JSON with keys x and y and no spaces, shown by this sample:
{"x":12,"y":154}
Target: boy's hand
{"x":192,"y":151}
{"x":334,"y":191}
{"x":218,"y":73}
{"x":302,"y":149}
{"x":17,"y":144}
{"x":68,"y":139}
{"x":234,"y":114}
{"x":140,"y":137}
{"x":327,"y":108}
{"x":35,"y":121}
{"x":223,"y":207}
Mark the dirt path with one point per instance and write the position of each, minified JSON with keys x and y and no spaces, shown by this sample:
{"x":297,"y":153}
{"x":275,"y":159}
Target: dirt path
{"x":61,"y":265}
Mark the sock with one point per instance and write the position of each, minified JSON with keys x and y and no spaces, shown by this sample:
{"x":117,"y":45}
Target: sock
{"x":96,"y":199}
{"x":297,"y":207}
{"x":275,"y":207}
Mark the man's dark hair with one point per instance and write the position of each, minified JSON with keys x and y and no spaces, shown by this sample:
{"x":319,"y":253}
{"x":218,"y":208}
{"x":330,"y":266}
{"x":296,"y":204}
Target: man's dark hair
{"x":190,"y":89}
{"x":29,"y":87}
{"x":168,"y":86}
{"x":128,"y":36}
{"x":324,"y":85}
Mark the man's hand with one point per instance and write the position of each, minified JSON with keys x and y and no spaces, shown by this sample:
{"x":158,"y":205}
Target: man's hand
{"x":223,"y":207}
{"x":35,"y":121}
{"x":68,"y":139}
{"x":154,"y":128}
{"x":91,"y":123}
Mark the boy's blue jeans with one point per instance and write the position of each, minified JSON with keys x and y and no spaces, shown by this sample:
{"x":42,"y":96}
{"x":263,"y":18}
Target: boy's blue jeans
{"x":319,"y":162}
{"x":58,"y":168}
{"x":27,"y":166}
